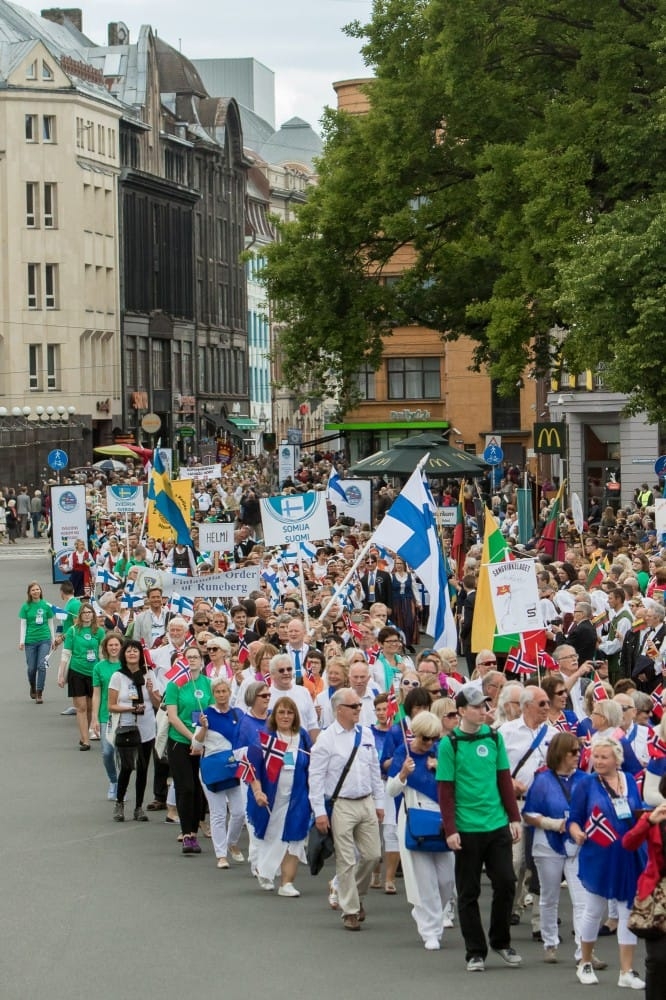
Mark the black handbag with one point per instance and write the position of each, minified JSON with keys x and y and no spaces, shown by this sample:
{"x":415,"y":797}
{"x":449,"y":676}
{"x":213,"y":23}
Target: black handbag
{"x":424,"y":831}
{"x":127,"y":737}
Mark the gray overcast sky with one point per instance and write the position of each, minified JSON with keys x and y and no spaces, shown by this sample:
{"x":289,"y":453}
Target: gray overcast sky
{"x":301,"y":41}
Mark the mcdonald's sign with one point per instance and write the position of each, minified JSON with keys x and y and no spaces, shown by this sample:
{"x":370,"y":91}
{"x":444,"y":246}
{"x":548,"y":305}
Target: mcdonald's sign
{"x":550,"y":439}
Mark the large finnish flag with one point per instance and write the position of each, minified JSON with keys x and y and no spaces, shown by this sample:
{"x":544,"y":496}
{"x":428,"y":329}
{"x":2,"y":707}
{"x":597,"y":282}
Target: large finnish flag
{"x":409,"y":529}
{"x":335,"y":489}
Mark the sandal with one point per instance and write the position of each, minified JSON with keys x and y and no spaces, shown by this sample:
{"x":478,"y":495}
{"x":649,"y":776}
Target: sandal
{"x":84,"y":746}
{"x":390,"y":889}
{"x":376,"y":881}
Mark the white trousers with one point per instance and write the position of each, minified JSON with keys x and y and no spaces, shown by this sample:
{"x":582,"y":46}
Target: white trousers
{"x":595,"y":910}
{"x":435,"y":881}
{"x":218,"y":802}
{"x":552,"y":868}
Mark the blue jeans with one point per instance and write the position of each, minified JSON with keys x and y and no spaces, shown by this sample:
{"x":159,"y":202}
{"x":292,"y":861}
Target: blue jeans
{"x":108,"y":755}
{"x":35,"y":654}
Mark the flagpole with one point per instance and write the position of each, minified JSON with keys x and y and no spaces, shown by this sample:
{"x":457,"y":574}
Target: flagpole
{"x":341,"y":586}
{"x":304,"y":597}
{"x":144,"y":518}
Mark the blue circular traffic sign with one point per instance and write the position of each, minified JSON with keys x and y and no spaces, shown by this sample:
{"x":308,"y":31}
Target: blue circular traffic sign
{"x":57,"y":459}
{"x":660,"y":466}
{"x":493,"y":455}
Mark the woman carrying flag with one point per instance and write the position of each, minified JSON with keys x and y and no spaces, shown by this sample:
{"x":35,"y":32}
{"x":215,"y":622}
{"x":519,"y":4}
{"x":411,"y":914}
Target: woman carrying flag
{"x":602,"y":810}
{"x":278,"y":806}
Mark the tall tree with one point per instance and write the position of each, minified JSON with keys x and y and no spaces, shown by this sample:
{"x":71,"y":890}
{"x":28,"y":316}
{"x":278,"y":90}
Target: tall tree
{"x":516,"y":151}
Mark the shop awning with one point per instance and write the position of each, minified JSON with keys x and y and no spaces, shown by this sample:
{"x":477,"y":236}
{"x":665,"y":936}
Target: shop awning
{"x":244,"y":423}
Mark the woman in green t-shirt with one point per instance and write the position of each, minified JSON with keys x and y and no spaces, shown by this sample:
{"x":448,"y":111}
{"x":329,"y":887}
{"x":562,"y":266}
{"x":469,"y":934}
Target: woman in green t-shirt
{"x":37,"y":632}
{"x":79,"y":655}
{"x":185,"y":705}
{"x":112,"y":643}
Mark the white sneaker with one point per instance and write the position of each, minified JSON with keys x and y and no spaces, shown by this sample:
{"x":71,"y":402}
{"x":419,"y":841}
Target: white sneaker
{"x":529,"y":899}
{"x":288,"y":889}
{"x":585,"y":974}
{"x":432,"y":944}
{"x":449,"y":915}
{"x":92,"y":735}
{"x":266,"y":883}
{"x":112,"y":792}
{"x":236,"y":854}
{"x":631,"y":980}
{"x":333,"y":900}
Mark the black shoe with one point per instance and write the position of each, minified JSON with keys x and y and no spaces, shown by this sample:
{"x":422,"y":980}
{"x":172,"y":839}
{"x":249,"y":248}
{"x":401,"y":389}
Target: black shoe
{"x":515,"y":919}
{"x":536,"y":936}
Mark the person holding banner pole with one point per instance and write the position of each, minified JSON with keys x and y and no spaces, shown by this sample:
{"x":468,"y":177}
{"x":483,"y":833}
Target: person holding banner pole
{"x":304,"y":596}
{"x":360,"y":556}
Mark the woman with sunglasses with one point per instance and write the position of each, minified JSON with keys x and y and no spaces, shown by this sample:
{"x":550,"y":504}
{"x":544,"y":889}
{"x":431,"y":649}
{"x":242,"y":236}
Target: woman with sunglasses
{"x":555,"y":854}
{"x":429,"y":876}
{"x":559,"y":716}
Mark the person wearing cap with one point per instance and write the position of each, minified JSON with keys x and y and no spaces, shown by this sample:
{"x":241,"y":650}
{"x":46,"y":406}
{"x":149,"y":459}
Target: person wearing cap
{"x":481,"y":822}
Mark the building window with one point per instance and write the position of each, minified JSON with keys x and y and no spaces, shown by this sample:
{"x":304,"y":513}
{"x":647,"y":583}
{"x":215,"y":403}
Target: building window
{"x":413,"y":378}
{"x":33,"y":286}
{"x":505,"y":410}
{"x":80,"y":128}
{"x":32,"y":205}
{"x":34,"y":367}
{"x":161,"y":367}
{"x":50,"y":221}
{"x":31,"y":71}
{"x":130,"y":367}
{"x":31,"y":128}
{"x":186,"y":369}
{"x":51,"y":286}
{"x":52,"y":366}
{"x":47,"y":72}
{"x":112,"y":143}
{"x":49,"y":128}
{"x":90,"y":132}
{"x":101,"y":140}
{"x":366,"y":383}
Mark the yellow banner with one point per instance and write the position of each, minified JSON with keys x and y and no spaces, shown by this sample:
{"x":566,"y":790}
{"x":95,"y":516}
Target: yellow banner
{"x":182,"y":494}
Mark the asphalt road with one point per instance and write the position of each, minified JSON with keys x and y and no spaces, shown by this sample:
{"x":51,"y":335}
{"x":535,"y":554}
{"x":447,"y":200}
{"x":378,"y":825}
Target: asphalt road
{"x":93,"y":909}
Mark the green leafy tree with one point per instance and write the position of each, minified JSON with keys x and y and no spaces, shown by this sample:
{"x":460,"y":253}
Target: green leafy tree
{"x":516,"y":153}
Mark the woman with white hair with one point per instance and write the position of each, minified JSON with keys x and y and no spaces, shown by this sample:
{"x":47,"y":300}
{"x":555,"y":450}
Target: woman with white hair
{"x":606,"y":716}
{"x":429,"y":877}
{"x":601,"y":812}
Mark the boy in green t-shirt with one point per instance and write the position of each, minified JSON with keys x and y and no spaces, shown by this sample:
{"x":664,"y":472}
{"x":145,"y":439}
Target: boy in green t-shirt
{"x":481,"y":820}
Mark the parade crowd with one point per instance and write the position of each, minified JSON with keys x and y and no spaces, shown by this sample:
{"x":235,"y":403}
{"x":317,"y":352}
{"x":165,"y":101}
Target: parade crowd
{"x":301,"y":723}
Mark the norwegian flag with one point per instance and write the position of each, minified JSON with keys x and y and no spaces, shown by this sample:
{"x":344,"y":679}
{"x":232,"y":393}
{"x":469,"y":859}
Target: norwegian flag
{"x":409,"y":737}
{"x":274,"y":751}
{"x":355,"y":631}
{"x":546,"y":661}
{"x":189,"y":641}
{"x":308,"y":671}
{"x":562,"y":723}
{"x":371,"y":655}
{"x":599,"y":691}
{"x":147,"y":655}
{"x":657,"y":703}
{"x":656,"y":746}
{"x":599,"y":829}
{"x":517,"y":663}
{"x":245,"y":771}
{"x":179,"y":673}
{"x":243,"y":651}
{"x":391,"y":705}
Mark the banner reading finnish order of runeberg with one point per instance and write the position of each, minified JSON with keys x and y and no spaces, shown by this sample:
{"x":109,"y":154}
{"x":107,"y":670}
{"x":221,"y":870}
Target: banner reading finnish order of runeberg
{"x":294,"y":517}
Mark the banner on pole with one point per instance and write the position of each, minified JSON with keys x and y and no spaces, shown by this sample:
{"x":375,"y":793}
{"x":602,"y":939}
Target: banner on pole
{"x":200,"y":471}
{"x":158,"y":527}
{"x":237,"y":583}
{"x":515,"y":596}
{"x":124,"y":499}
{"x":294,"y":517}
{"x":68,"y":522}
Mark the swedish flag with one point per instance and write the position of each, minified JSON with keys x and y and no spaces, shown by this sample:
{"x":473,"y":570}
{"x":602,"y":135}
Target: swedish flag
{"x":161,"y":493}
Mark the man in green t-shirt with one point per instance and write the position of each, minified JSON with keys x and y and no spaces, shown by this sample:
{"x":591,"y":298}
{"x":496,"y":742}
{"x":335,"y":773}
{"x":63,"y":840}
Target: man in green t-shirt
{"x":481,"y":821}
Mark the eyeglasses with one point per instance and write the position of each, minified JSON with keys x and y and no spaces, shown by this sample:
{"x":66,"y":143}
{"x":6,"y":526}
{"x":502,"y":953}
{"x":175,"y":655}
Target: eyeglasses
{"x":356,"y":705}
{"x":569,"y":656}
{"x":411,"y":684}
{"x":284,"y":670}
{"x":428,"y":739}
{"x":487,"y":663}
{"x":451,"y":715}
{"x":267,"y":695}
{"x":627,"y":708}
{"x":563,"y":691}
{"x":540,"y":704}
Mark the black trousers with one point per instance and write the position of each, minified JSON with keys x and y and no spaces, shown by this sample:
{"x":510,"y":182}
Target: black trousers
{"x":160,"y":775}
{"x":189,"y":793}
{"x":655,"y":968}
{"x":492,"y":850}
{"x":141,"y":761}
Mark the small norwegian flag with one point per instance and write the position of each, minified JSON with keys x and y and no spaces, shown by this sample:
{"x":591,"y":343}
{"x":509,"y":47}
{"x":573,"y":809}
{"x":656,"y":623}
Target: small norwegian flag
{"x":657,"y":702}
{"x":563,"y":724}
{"x":179,"y":673}
{"x":274,"y":751}
{"x":656,"y":746}
{"x":308,"y":671}
{"x":391,"y":705}
{"x":517,"y":664}
{"x":598,"y":829}
{"x":245,"y":771}
{"x":243,"y":651}
{"x":599,"y":691}
{"x":147,"y":655}
{"x":546,"y":661}
{"x":355,"y":631}
{"x":371,"y":655}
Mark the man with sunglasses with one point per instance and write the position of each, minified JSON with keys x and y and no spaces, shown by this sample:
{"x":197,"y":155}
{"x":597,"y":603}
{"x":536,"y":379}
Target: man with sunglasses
{"x":282,"y":683}
{"x":358,"y":807}
{"x":527,"y":739}
{"x":376,"y":584}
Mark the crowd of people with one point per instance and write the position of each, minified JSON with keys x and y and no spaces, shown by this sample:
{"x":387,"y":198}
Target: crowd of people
{"x":272,"y":718}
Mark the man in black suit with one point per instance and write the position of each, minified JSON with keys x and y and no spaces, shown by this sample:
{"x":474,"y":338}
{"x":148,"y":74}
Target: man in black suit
{"x":377,"y":585}
{"x":638,"y":661}
{"x":582,"y":634}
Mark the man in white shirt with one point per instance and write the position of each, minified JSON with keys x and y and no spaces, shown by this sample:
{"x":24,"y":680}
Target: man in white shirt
{"x":177,"y":633}
{"x":282,"y":683}
{"x":150,"y":625}
{"x":359,"y":682}
{"x":566,"y":658}
{"x":358,"y":809}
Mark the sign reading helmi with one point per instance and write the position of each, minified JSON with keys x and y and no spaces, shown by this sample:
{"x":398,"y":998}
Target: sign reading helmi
{"x":294,"y":517}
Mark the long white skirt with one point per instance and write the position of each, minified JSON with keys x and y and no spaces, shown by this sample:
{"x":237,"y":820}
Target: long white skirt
{"x":271,"y":849}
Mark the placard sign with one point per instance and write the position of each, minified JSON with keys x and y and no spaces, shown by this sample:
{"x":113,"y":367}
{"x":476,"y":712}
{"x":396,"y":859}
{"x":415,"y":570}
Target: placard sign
{"x":69,"y":522}
{"x":215,"y":537}
{"x":294,"y":517}
{"x":124,"y":499}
